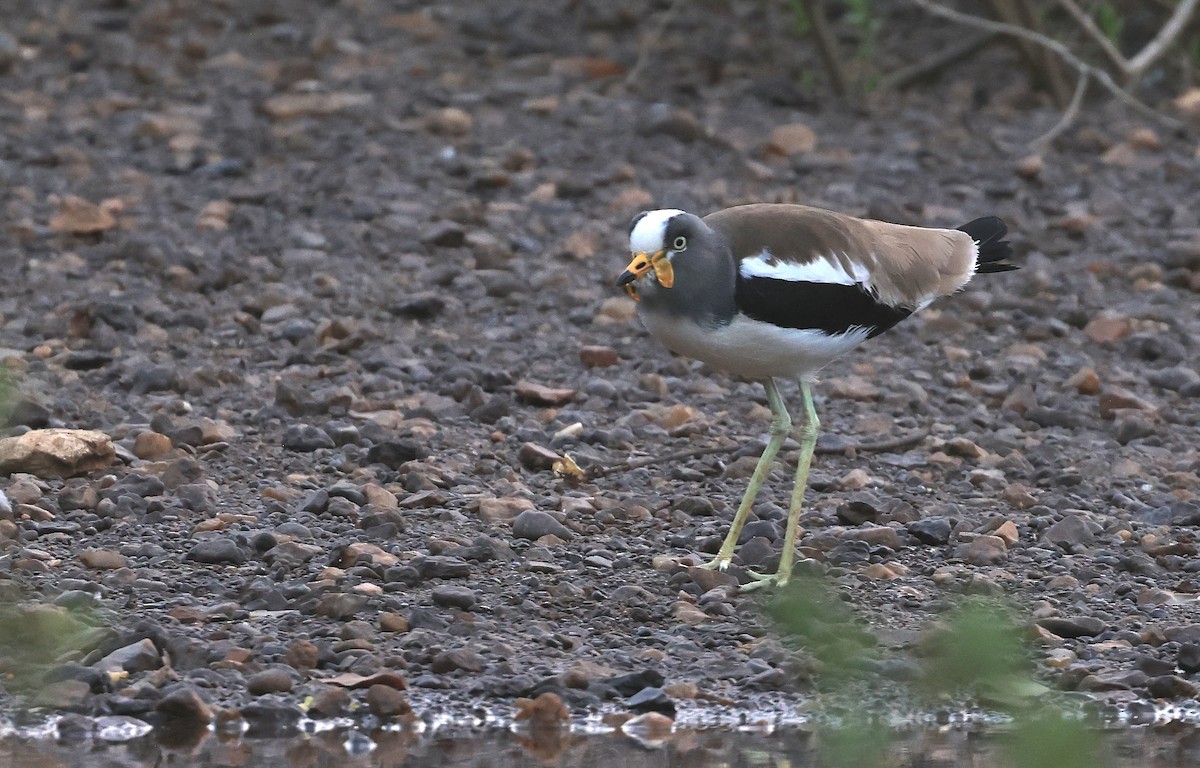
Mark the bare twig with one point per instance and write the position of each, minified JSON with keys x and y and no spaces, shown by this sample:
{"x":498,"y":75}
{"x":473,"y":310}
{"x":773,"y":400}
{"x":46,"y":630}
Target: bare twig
{"x":936,"y":62}
{"x":1089,"y":26}
{"x":1068,"y":115}
{"x":1042,"y":65}
{"x":650,"y":42}
{"x":1164,"y":39}
{"x":1064,"y":53}
{"x":632,"y":464}
{"x":887,"y":444}
{"x":826,"y":44}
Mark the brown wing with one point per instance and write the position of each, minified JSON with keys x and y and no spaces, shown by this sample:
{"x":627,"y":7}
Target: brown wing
{"x":908,"y":266}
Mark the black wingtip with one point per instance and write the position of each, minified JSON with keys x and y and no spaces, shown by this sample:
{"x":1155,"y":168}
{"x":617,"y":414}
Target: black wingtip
{"x":989,"y":232}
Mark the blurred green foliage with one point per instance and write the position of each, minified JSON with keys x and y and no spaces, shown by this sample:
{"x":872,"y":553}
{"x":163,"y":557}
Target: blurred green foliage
{"x":36,"y":638}
{"x":975,"y":652}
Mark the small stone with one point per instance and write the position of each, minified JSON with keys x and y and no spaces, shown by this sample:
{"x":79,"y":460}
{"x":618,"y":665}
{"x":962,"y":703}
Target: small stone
{"x":444,"y":234}
{"x":290,"y":106}
{"x":453,"y":596}
{"x":538,"y":394}
{"x":1018,"y":496}
{"x":792,"y":139}
{"x":983,"y":550}
{"x":1172,"y":687}
{"x":1085,"y":381}
{"x":151,"y":445}
{"x":1107,"y":329}
{"x":394,"y":453}
{"x":56,"y":452}
{"x":860,"y":508}
{"x":1134,"y":427}
{"x":184,"y":702}
{"x":273,"y":680}
{"x":535,"y":457}
{"x":546,"y":711}
{"x":1144,"y":139}
{"x":218,"y":550}
{"x":393,"y":622}
{"x":1029,"y":167}
{"x":875,"y":535}
{"x":533,"y":524}
{"x":1113,"y":399}
{"x":102,"y":559}
{"x":665,"y":120}
{"x":81,"y":217}
{"x":852,"y":388}
{"x":855,"y":479}
{"x":386,"y":702}
{"x":306,"y":438}
{"x":932,"y":530}
{"x":503,"y":510}
{"x":598,"y":357}
{"x":1084,"y":626}
{"x":302,"y":654}
{"x":1071,"y":534}
{"x":961,"y":446}
{"x":330,"y":701}
{"x":1188,"y":658}
{"x":1007,"y":531}
{"x":135,"y":657}
{"x":450,"y":121}
{"x":463,"y":659}
{"x":710,"y":578}
{"x":881,"y":572}
{"x":340,"y":605}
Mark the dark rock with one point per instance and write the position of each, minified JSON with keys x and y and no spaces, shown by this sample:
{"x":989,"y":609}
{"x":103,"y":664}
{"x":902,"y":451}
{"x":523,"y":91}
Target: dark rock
{"x":1071,"y":534}
{"x":273,"y":680}
{"x":442,"y":567}
{"x":860,"y":508}
{"x":651,"y":699}
{"x":386,"y":702}
{"x":463,"y":659}
{"x":534,"y":523}
{"x":393,"y":453}
{"x":1188,"y":658}
{"x":269,"y":719}
{"x":629,"y":684}
{"x":184,"y":702}
{"x":306,"y":438}
{"x":934,"y":531}
{"x":1084,"y":626}
{"x":219,"y":550}
{"x":1171,"y":687}
{"x":452,"y":596}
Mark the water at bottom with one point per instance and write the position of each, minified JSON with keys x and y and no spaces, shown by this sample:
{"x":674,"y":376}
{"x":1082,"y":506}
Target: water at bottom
{"x":1162,"y":746}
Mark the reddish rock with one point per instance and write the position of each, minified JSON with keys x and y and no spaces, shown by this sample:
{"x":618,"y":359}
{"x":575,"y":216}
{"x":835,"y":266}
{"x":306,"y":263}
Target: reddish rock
{"x":598,"y":356}
{"x":538,"y":394}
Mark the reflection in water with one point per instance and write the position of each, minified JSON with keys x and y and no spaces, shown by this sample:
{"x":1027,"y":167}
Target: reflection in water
{"x":1167,"y":746}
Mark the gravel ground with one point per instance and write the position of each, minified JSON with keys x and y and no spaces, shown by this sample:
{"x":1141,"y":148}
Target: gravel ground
{"x":335,"y":278}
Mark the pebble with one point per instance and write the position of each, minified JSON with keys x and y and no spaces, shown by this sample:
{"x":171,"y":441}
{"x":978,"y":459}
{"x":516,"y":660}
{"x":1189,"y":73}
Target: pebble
{"x":983,"y":550}
{"x":306,"y":438}
{"x":533,"y":524}
{"x":1071,"y":534}
{"x":451,"y":596}
{"x":183,"y":702}
{"x":135,"y":657}
{"x":273,"y":680}
{"x":932,"y":530}
{"x":102,"y":559}
{"x":385,"y":702}
{"x":218,"y":550}
{"x":1084,"y":626}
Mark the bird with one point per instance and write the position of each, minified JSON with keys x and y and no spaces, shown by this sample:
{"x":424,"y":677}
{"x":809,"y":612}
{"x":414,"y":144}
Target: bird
{"x":770,"y":291}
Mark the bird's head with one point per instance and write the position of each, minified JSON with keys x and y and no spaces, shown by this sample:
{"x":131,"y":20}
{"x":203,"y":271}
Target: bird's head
{"x":656,"y":239}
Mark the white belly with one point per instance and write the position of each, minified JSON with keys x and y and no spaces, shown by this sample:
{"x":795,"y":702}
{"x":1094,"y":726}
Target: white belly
{"x":750,"y":348}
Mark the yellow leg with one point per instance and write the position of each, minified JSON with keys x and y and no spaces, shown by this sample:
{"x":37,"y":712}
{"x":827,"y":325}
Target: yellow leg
{"x":781,"y":425}
{"x":808,"y":442}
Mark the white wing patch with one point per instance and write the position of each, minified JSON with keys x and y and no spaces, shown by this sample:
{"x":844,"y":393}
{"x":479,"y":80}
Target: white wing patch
{"x":820,"y":270}
{"x":651,"y":231}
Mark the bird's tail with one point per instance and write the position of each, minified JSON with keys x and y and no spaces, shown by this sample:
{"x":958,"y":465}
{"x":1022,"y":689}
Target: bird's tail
{"x":993,"y":250}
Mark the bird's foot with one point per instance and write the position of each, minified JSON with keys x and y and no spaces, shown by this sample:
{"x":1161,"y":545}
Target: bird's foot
{"x":765,"y":581}
{"x":718,"y":563}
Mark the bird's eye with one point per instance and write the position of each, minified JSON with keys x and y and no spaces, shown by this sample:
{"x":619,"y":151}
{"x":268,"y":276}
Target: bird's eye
{"x":680,"y":244}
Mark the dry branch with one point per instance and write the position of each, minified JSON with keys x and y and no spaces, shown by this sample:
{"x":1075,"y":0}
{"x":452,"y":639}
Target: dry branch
{"x":1160,"y":43}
